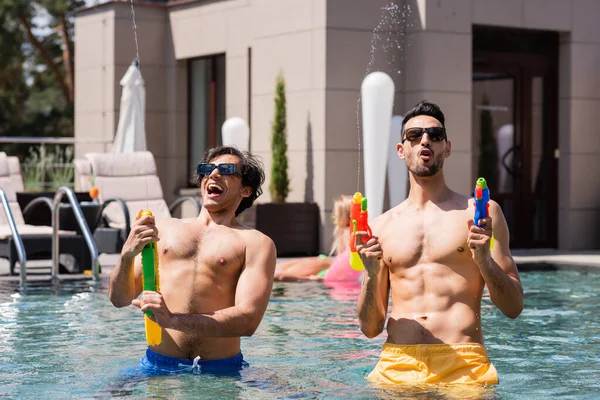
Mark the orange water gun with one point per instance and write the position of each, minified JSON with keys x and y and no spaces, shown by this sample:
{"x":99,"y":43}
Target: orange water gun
{"x":150,"y":281}
{"x":359,"y":217}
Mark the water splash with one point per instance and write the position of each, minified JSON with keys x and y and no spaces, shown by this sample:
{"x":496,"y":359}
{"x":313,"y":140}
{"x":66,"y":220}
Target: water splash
{"x":139,"y":65}
{"x":137,"y":48}
{"x":389,"y":36}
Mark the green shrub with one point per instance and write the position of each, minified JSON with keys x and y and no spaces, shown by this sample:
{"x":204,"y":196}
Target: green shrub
{"x":32,"y":171}
{"x":60,"y":168}
{"x":280,"y":183}
{"x":43,"y":170}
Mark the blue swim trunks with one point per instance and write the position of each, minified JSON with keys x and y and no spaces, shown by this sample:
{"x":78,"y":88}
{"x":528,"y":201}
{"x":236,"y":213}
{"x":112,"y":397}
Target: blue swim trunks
{"x":155,"y":363}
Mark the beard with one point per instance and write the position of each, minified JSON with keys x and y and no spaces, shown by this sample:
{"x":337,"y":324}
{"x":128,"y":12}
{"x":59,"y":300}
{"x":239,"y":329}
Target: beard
{"x":426,"y":170}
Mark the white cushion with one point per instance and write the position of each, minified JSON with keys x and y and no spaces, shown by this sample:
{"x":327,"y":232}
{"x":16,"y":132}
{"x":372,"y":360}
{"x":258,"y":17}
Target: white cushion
{"x":10,"y":186}
{"x":132,"y":178}
{"x":4,"y":171}
{"x":129,"y":188}
{"x":30,"y":230}
{"x":83,"y":175}
{"x":14,"y":168}
{"x":114,"y":212}
{"x":122,"y":164}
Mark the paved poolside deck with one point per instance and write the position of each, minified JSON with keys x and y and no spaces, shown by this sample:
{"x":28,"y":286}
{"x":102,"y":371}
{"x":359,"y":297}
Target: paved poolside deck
{"x":557,"y":258}
{"x":539,"y":259}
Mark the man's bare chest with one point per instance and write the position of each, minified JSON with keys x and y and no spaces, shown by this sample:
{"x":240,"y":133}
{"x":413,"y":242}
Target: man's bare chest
{"x":218,"y":250}
{"x":418,"y":238}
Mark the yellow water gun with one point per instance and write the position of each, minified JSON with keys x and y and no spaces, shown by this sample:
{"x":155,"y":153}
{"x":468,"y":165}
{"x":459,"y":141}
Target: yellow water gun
{"x":150,"y":281}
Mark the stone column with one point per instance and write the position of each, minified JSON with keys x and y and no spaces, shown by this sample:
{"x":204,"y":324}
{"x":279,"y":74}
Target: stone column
{"x":579,"y":140}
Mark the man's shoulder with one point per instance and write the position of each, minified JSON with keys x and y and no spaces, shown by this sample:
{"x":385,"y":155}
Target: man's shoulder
{"x":253,"y":235}
{"x":257,"y":244}
{"x":385,"y":218}
{"x":168,"y":223}
{"x":461,"y":201}
{"x":392,"y":213}
{"x":470,"y":201}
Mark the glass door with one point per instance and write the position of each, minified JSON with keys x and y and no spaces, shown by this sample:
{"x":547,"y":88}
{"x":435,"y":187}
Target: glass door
{"x":515,"y":139}
{"x":497,"y":139}
{"x":206,"y":105}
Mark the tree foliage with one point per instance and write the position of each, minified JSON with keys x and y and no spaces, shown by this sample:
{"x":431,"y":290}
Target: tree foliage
{"x":36,"y":69}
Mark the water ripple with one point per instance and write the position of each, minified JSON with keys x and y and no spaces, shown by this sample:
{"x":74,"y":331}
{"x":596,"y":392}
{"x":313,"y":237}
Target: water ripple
{"x":71,"y":343}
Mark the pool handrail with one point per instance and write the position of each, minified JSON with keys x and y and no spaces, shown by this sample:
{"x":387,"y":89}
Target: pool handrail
{"x":18,"y":242}
{"x":125,"y":209}
{"x":51,"y":140}
{"x":85,"y":230}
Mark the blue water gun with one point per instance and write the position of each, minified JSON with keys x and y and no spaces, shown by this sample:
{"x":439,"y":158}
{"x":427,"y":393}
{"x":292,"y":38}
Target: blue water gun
{"x":482,"y":203}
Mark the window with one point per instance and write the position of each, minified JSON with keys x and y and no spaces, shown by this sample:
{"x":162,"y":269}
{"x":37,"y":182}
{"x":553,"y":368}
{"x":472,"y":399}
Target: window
{"x":206,"y":106}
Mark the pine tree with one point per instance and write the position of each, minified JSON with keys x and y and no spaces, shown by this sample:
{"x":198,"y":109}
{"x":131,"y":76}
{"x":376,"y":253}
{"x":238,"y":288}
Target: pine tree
{"x":279,"y":186}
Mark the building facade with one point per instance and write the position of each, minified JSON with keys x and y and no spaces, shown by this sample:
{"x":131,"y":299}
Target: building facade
{"x":518,"y":81}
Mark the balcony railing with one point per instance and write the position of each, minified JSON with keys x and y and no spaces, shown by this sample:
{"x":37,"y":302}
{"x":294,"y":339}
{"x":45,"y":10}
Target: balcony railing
{"x":48,"y":168}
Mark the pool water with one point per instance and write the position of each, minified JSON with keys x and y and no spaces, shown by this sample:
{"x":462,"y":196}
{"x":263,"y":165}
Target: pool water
{"x":71,"y":343}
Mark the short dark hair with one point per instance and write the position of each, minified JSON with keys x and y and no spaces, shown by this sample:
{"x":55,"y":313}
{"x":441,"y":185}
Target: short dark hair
{"x":424,"y":108}
{"x":252,"y":172}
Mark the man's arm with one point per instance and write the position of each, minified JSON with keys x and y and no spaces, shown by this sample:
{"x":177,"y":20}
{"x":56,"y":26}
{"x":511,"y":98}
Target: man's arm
{"x":251,"y":298}
{"x":499,"y":271}
{"x":125,"y":281}
{"x":373,"y":301}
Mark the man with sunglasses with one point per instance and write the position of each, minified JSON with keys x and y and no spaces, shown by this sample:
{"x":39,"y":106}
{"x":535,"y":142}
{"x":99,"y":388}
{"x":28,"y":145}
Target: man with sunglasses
{"x":435,"y":262}
{"x":216,"y":275}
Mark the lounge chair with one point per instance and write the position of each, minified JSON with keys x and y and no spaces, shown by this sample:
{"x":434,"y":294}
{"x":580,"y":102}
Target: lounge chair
{"x":127,"y":182}
{"x":37,"y":240}
{"x":83,"y":175}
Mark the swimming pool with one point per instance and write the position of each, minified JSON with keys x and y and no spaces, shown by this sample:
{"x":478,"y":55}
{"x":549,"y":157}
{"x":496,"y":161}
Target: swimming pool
{"x":71,"y":343}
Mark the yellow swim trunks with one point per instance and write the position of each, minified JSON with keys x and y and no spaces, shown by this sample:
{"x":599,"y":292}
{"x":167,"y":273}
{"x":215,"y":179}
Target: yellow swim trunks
{"x":465,"y":363}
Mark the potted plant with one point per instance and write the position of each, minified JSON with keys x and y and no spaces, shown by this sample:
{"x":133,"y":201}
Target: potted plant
{"x":294,"y":227}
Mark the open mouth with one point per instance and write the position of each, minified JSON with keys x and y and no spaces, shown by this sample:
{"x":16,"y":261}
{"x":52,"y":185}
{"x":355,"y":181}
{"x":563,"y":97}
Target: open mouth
{"x":213,"y":190}
{"x":425,"y":154}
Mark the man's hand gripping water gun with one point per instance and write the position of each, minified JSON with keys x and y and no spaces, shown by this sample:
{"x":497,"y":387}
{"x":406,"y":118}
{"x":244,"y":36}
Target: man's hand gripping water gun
{"x":359,"y":218}
{"x":150,"y":281}
{"x":482,"y":204}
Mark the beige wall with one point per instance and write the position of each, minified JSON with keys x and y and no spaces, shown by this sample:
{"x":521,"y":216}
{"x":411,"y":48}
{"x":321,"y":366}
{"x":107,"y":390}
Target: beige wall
{"x":95,"y":113}
{"x":579,"y":137}
{"x":359,"y":42}
{"x":284,"y":37}
{"x":438,"y":68}
{"x":579,"y":102}
{"x":349,"y":58}
{"x":323,"y":48}
{"x":105,"y":47}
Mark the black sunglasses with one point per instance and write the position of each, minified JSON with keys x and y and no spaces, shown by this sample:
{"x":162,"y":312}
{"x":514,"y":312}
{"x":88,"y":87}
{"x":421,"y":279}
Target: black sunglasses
{"x":435,"y":133}
{"x":204,"y":169}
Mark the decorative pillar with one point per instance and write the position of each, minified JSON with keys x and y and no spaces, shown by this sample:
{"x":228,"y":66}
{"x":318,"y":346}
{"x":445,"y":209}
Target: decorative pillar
{"x":397,"y":173}
{"x":377,"y":93}
{"x":235,"y":132}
